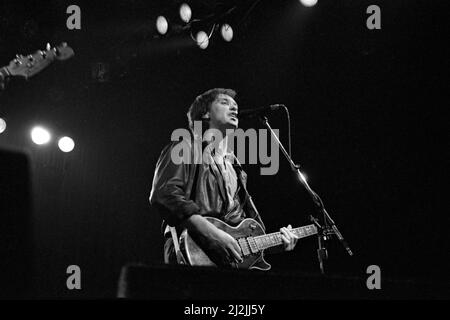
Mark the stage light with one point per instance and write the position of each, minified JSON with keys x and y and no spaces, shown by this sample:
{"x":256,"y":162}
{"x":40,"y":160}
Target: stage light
{"x":227,"y":32}
{"x":308,"y":3}
{"x":2,"y":125}
{"x":303,"y":176}
{"x":66,"y":144}
{"x":40,"y":135}
{"x":162,"y":25}
{"x":185,"y":12}
{"x":202,"y":39}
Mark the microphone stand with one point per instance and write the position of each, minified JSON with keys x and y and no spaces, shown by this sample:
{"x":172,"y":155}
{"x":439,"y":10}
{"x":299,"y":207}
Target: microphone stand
{"x":329,"y":227}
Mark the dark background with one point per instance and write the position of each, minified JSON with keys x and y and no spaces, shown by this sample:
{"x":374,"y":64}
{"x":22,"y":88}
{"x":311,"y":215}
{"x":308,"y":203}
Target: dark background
{"x":367,"y":110}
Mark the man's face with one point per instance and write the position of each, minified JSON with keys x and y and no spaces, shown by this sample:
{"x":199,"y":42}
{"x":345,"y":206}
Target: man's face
{"x":223,"y":113}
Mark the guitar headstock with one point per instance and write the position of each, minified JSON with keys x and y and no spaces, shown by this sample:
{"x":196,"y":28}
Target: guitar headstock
{"x":28,"y":66}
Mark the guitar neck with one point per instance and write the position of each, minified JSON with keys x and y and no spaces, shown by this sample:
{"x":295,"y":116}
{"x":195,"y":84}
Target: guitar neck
{"x":274,"y":239}
{"x":4,"y":73}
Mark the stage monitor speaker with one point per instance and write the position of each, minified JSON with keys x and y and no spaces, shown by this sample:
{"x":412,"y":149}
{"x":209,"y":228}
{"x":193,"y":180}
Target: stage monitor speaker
{"x":15,"y":226}
{"x":200,"y":283}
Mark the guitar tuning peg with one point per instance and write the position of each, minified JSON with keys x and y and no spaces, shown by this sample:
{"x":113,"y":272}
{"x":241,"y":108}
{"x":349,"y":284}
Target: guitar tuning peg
{"x":43,"y":54}
{"x":64,"y":44}
{"x":48,"y":47}
{"x":30,"y":57}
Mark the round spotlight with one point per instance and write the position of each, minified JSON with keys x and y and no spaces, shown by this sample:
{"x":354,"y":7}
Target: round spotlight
{"x":185,"y":12}
{"x":308,"y":3}
{"x":162,"y":25}
{"x":2,"y":125}
{"x":66,"y":144}
{"x":202,"y":39}
{"x":40,"y":135}
{"x":227,"y":32}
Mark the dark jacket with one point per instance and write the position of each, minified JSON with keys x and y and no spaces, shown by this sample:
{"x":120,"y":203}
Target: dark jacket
{"x":177,"y":198}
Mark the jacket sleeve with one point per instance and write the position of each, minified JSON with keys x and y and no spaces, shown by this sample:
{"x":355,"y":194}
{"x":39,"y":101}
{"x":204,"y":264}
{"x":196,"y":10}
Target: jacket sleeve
{"x":171,"y":188}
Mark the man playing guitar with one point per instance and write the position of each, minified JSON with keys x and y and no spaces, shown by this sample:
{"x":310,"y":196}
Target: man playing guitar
{"x":186,"y":194}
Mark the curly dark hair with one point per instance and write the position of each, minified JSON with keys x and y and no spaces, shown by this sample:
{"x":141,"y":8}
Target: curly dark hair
{"x":202,"y":103}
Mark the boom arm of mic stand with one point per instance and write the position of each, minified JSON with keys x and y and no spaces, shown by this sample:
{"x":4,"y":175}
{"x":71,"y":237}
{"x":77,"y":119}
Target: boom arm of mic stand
{"x":328,"y":222}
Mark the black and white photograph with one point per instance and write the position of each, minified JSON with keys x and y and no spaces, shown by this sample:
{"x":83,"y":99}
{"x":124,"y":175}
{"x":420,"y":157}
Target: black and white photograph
{"x":224,"y":154}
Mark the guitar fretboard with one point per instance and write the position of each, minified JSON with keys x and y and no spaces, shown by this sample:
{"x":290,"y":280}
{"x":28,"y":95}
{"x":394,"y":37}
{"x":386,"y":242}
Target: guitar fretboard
{"x":3,"y":76}
{"x":258,"y":243}
{"x":4,"y":72}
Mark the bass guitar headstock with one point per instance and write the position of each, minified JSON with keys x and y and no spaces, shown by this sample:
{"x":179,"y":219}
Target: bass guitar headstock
{"x":28,"y":66}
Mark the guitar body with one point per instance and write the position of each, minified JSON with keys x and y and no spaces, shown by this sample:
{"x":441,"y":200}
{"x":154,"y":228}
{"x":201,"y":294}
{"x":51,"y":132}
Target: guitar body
{"x":195,"y":256}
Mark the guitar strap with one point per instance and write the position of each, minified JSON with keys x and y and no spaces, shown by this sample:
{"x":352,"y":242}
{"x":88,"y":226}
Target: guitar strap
{"x":253,"y":213}
{"x":176,"y":246}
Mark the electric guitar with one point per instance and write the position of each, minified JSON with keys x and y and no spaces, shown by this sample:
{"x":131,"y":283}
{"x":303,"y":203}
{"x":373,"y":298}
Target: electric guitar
{"x":28,"y":66}
{"x":251,"y":238}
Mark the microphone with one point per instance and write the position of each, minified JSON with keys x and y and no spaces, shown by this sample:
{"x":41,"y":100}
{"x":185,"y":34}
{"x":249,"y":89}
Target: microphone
{"x":255,"y":112}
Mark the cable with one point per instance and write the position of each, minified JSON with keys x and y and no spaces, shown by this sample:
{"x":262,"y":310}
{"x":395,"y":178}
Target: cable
{"x":248,"y":11}
{"x":209,"y":36}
